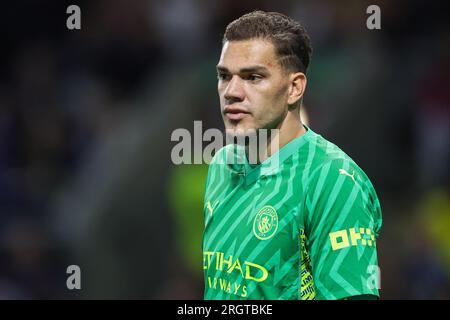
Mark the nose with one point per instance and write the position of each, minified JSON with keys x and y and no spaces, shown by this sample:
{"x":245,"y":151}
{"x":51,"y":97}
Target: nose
{"x":234,"y":92}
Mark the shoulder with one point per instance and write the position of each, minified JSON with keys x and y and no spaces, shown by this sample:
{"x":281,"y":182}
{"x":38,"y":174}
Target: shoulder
{"x":336,"y":174}
{"x":218,"y":164}
{"x":220,"y":157}
{"x":332,"y":162}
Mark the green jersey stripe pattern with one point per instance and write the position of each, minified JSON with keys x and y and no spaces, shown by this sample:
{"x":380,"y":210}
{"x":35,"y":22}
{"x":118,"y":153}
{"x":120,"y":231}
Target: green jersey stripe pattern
{"x":301,"y":225}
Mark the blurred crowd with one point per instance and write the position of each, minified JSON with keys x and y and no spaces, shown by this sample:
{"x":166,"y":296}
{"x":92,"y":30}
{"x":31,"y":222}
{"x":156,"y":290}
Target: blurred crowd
{"x":86,"y":118}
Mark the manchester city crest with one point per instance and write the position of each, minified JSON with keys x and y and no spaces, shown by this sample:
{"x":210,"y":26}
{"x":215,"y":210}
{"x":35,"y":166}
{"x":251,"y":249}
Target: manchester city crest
{"x":266,"y":223}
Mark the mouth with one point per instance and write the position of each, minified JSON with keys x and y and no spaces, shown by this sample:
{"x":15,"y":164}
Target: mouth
{"x":235,"y":113}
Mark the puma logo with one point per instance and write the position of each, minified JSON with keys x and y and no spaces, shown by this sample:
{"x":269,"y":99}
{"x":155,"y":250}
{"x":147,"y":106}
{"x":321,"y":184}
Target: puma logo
{"x":342,"y":171}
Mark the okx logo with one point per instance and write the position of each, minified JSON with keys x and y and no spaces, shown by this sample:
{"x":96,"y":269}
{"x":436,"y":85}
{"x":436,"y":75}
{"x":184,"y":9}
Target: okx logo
{"x":352,"y":237}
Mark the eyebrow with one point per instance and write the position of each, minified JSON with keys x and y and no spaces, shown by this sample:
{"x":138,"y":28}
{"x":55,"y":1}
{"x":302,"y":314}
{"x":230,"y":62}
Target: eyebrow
{"x":256,"y":68}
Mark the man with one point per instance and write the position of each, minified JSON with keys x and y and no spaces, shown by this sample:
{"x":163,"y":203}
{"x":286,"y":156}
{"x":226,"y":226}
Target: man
{"x":305,"y":228}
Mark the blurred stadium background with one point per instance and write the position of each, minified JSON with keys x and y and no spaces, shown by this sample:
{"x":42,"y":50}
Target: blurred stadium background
{"x":86,"y":118}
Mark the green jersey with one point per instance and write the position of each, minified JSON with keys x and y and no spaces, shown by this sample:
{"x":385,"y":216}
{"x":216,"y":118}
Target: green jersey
{"x":302,"y":227}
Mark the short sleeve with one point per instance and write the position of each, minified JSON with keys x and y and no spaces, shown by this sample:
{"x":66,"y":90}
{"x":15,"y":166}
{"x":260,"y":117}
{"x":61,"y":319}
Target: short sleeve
{"x":342,"y":223}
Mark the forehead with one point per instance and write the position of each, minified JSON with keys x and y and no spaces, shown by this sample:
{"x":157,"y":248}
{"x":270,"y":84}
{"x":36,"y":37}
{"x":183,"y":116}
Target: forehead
{"x":241,"y":54}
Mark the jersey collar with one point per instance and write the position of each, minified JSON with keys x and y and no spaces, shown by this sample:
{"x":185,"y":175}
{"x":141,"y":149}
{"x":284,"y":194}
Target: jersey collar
{"x":271,"y":165}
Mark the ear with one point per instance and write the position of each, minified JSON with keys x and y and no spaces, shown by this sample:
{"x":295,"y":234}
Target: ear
{"x":296,"y":88}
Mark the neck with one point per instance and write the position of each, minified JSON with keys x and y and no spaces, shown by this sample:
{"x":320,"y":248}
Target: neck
{"x":289,"y":129}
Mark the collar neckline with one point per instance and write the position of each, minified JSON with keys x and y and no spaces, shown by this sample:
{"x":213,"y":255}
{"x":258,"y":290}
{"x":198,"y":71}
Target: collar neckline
{"x":271,"y":165}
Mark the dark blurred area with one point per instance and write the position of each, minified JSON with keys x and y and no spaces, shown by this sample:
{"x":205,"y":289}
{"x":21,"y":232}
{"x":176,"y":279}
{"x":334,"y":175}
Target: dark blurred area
{"x":86,"y":118}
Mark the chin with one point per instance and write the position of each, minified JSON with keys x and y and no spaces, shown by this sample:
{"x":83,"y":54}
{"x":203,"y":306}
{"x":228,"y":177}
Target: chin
{"x":241,"y":131}
{"x":239,"y":127}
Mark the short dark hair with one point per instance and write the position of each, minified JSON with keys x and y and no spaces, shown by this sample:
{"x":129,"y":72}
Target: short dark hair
{"x":289,"y":37}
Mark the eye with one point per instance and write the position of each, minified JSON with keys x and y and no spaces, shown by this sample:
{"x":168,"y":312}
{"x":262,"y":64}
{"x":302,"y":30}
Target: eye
{"x":254,"y":77}
{"x":223,"y":76}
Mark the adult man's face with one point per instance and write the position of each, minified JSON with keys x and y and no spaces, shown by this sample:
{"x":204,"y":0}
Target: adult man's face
{"x":253,"y":87}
